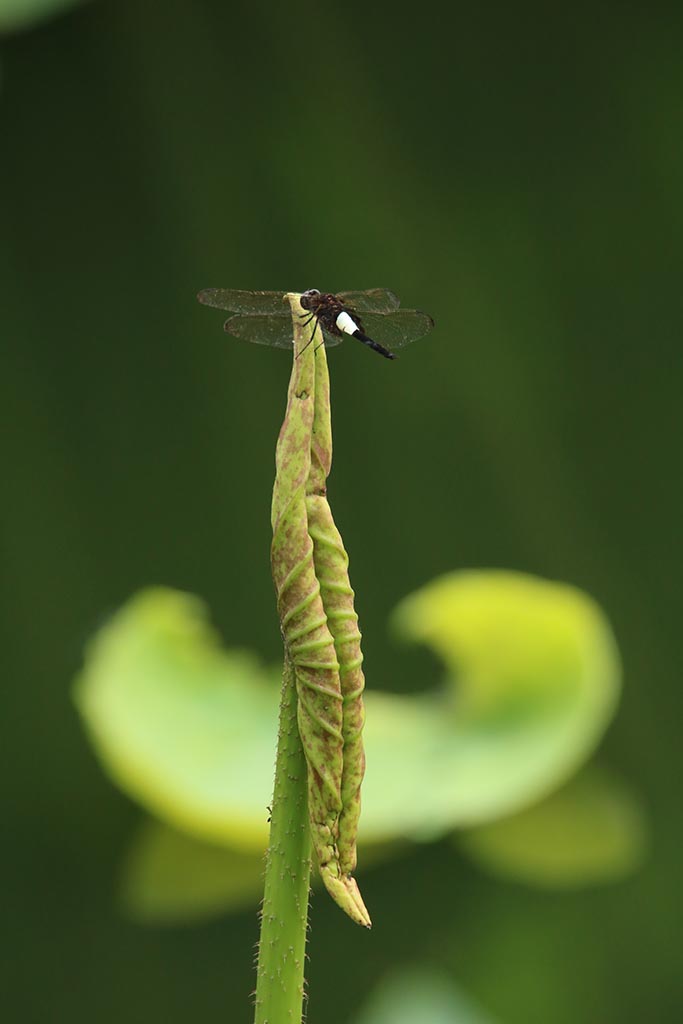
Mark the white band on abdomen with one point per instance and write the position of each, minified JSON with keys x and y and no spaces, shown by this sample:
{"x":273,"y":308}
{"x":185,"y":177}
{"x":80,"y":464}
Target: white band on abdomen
{"x":346,"y":324}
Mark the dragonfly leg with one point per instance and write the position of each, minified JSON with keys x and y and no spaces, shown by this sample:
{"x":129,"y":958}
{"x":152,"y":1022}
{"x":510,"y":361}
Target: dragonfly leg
{"x":315,"y":328}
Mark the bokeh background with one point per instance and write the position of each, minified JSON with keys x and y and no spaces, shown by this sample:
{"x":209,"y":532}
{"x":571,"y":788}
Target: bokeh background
{"x":516,"y":173}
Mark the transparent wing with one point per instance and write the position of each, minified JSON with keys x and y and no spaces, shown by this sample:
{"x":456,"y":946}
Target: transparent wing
{"x":330,"y":339}
{"x":374,"y":300}
{"x":243,"y":302}
{"x":275,"y":331}
{"x":396,"y":330}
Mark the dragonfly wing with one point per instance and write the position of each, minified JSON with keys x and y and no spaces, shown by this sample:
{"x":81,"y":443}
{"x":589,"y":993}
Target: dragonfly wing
{"x":374,"y":300}
{"x":396,"y":330}
{"x":243,"y":302}
{"x":275,"y":331}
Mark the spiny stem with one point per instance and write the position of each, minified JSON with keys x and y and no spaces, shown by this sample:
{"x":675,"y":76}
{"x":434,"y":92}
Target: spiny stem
{"x":320,"y":759}
{"x":281,"y":953}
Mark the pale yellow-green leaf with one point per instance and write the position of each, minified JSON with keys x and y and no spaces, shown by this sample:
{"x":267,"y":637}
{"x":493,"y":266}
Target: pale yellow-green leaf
{"x":188,"y":728}
{"x":513,"y":641}
{"x":171,"y":877}
{"x":589,"y":831}
{"x":185,"y":727}
{"x":532,"y":681}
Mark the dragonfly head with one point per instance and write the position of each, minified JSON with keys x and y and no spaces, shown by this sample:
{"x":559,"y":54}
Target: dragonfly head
{"x":310,"y":299}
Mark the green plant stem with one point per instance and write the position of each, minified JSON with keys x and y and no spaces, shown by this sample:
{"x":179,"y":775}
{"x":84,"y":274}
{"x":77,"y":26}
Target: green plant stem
{"x":281,"y":953}
{"x":317,"y":718}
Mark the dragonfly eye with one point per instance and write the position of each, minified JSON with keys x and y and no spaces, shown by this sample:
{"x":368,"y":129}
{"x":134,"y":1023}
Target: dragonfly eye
{"x":309,"y":299}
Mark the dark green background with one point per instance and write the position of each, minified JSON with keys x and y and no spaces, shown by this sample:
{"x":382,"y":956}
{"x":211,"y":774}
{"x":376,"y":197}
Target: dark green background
{"x":517,"y":174}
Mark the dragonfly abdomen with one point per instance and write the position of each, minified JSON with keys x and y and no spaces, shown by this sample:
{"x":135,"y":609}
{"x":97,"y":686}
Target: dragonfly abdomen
{"x":346,"y":323}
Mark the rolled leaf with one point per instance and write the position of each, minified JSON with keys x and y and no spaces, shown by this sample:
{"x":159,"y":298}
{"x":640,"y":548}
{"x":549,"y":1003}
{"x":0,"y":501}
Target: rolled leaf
{"x":331,"y":566}
{"x":307,"y":637}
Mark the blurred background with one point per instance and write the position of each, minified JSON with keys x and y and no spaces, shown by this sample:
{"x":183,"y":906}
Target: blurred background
{"x":517,"y":175}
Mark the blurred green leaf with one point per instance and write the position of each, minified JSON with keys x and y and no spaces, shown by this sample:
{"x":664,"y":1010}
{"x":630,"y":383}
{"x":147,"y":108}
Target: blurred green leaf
{"x":592,"y":830}
{"x":170,"y":877}
{"x":532,"y":682}
{"x":422,"y":996}
{"x":185,"y":727}
{"x":20,"y":14}
{"x":513,"y":641}
{"x":188,"y":728}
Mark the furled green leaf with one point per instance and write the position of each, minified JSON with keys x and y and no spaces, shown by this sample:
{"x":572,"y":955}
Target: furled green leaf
{"x":591,"y":830}
{"x":422,"y":996}
{"x":170,"y":876}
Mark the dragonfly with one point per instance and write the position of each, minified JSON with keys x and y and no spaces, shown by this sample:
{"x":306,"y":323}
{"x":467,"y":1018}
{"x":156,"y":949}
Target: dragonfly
{"x":372,"y":317}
